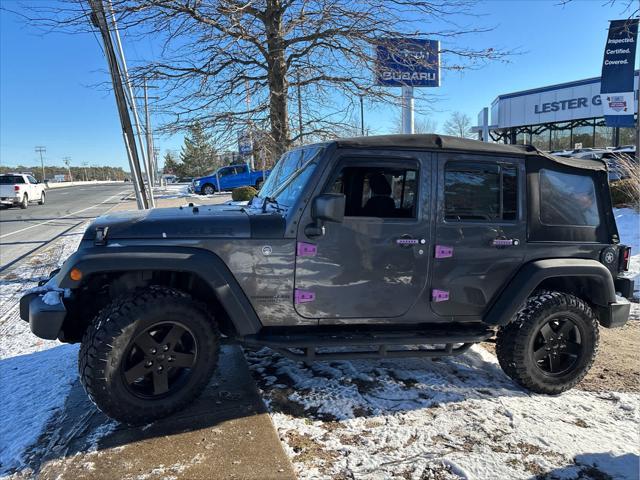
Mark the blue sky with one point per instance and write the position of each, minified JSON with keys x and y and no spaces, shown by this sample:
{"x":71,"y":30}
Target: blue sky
{"x":50,"y":93}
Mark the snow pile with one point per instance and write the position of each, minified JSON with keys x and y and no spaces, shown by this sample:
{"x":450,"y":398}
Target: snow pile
{"x":458,"y":417}
{"x":35,"y":375}
{"x":628,"y":221}
{"x":33,"y":387}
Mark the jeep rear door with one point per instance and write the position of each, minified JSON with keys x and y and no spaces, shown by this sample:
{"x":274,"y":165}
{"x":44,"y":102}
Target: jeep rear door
{"x":480,"y":231}
{"x":375,"y":263}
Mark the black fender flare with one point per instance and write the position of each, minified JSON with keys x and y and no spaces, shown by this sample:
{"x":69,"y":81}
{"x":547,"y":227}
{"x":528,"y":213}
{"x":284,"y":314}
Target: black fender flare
{"x":532,"y":274}
{"x":203,"y":263}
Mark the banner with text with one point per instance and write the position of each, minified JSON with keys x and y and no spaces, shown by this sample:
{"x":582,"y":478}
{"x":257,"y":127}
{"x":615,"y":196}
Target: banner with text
{"x":616,"y":87}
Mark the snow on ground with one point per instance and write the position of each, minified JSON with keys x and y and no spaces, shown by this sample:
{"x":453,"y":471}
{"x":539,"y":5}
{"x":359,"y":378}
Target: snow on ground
{"x":35,"y":374}
{"x":628,"y":221}
{"x":458,"y":417}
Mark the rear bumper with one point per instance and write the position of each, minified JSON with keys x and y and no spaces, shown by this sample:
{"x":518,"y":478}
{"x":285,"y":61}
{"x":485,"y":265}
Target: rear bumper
{"x":624,"y":287}
{"x":45,"y":320}
{"x":615,"y":315}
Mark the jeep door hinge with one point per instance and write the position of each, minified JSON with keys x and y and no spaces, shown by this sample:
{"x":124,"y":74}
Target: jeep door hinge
{"x":443,"y":251}
{"x":303,"y":296}
{"x":307,"y":249}
{"x":439,"y":295}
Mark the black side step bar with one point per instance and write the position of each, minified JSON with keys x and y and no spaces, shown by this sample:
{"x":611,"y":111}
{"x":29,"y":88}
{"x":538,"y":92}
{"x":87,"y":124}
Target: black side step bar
{"x":305,"y":347}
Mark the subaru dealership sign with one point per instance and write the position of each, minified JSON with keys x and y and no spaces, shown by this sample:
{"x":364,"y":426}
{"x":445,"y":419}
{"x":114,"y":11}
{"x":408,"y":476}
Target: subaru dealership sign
{"x":409,"y":62}
{"x":617,"y":73}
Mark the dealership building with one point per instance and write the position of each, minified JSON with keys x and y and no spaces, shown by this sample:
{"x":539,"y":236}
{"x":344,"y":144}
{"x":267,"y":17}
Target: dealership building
{"x":557,"y":117}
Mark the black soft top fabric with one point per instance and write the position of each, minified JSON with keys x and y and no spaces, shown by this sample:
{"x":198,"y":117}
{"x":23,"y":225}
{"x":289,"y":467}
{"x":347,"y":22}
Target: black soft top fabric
{"x":445,"y":142}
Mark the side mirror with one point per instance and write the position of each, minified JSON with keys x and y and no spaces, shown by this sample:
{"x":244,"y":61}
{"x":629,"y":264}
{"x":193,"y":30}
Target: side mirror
{"x":328,"y":207}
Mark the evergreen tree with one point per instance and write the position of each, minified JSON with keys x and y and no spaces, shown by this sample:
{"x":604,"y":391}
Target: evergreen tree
{"x":198,"y":154}
{"x":171,"y":166}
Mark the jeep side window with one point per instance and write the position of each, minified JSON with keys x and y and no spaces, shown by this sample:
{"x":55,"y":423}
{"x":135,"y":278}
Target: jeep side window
{"x":480,"y":191}
{"x":567,"y":199}
{"x":384,"y":192}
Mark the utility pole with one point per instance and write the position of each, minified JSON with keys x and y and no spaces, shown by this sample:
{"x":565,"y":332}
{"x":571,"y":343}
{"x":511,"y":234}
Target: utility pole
{"x":99,"y":20}
{"x":362,"y":115}
{"x":40,"y":149}
{"x":84,"y":166}
{"x":67,"y":161}
{"x":149,"y":135}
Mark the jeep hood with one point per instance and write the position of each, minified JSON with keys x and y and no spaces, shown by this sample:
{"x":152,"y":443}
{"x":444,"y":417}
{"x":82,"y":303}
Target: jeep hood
{"x":210,"y":221}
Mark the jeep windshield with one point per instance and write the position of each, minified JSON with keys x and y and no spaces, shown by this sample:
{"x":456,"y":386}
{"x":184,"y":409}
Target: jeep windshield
{"x":289,"y":176}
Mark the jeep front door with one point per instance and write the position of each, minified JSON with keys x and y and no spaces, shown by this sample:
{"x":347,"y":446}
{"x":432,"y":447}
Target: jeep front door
{"x":373,"y":264}
{"x":480,"y":231}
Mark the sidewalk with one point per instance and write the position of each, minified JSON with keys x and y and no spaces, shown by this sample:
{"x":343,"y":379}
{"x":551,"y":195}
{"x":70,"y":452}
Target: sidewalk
{"x":226,"y":434}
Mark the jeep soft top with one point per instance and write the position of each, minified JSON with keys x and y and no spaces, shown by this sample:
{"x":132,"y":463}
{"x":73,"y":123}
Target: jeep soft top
{"x":387,"y":246}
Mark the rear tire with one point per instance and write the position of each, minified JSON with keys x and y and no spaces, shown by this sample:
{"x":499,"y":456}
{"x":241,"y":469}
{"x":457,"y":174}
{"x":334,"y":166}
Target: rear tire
{"x":148,"y":354}
{"x":551,"y":344}
{"x":25,"y":201}
{"x":42,"y":199}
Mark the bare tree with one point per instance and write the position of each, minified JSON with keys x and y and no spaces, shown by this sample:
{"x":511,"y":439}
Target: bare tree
{"x":234,"y":65}
{"x":421,"y":124}
{"x":458,"y":125}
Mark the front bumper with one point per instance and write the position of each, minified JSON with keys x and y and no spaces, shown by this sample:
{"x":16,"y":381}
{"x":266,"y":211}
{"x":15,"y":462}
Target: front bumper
{"x":45,"y":318}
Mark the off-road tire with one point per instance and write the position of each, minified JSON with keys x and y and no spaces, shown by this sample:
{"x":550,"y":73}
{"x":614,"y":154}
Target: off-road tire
{"x":209,"y":187}
{"x":42,"y":199}
{"x":25,"y":201}
{"x":107,"y":340}
{"x":514,"y":342}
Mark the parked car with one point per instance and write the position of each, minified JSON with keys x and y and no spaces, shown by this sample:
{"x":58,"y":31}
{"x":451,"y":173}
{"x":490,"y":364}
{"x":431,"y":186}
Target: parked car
{"x":379,"y":245}
{"x":228,"y":178}
{"x":20,"y":189}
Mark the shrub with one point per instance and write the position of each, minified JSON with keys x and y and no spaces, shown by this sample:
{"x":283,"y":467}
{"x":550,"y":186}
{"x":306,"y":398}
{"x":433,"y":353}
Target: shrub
{"x":622,"y":193}
{"x":626,"y":192}
{"x":241,"y":194}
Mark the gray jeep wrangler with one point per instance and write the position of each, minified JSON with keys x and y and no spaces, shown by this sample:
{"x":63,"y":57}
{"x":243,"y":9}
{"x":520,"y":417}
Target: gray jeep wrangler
{"x":388,"y":246}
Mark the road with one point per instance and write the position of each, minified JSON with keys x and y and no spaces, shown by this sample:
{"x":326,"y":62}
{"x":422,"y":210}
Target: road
{"x":24,"y":231}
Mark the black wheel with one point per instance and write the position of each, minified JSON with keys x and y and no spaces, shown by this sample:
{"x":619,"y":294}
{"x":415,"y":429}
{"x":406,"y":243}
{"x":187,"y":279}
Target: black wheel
{"x":551,"y":344}
{"x":25,"y":201}
{"x":42,"y":199}
{"x":259,"y":183}
{"x":208,"y":189}
{"x":148,"y":355}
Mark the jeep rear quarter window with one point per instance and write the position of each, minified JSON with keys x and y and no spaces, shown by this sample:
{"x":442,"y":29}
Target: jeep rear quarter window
{"x":567,"y":199}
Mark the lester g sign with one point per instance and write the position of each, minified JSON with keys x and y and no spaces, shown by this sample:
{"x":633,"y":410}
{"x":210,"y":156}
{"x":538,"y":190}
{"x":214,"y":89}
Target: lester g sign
{"x":409,"y":62}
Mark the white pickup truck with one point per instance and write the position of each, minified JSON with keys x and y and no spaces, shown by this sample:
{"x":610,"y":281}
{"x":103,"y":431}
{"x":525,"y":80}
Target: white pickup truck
{"x":20,"y":189}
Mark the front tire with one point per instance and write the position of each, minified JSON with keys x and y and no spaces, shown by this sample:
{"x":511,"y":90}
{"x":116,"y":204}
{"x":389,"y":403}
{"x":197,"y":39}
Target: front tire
{"x":42,"y":199}
{"x":208,"y":189}
{"x":551,"y":344}
{"x":148,"y":355}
